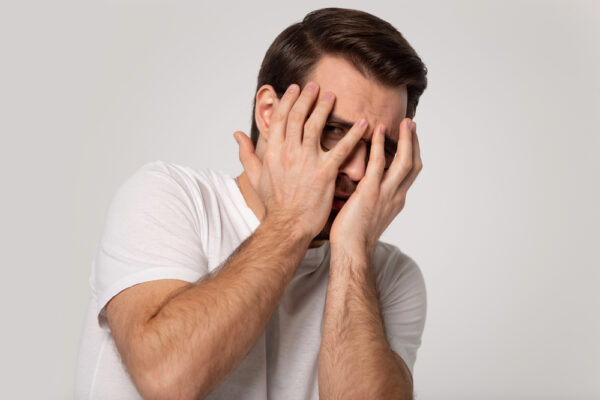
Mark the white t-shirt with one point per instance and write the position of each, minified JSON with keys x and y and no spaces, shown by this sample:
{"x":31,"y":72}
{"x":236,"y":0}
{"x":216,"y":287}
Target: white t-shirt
{"x":171,"y":222}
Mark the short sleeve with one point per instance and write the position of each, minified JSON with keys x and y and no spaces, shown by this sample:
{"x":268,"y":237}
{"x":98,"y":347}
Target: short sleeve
{"x":151,"y":232}
{"x":403,"y":300}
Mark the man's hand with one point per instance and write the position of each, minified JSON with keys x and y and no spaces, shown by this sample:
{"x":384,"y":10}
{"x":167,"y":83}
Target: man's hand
{"x":296,"y":178}
{"x":380,"y":195}
{"x":354,"y":338}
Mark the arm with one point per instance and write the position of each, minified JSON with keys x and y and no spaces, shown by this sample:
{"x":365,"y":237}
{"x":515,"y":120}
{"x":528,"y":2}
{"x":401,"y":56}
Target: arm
{"x":354,"y":343}
{"x":355,"y":359}
{"x":184,"y":347}
{"x":179,"y":340}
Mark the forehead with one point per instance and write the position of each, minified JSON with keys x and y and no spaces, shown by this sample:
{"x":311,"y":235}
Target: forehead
{"x":360,"y":97}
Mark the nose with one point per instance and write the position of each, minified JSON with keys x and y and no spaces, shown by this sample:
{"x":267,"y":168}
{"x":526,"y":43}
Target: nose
{"x":355,"y":165}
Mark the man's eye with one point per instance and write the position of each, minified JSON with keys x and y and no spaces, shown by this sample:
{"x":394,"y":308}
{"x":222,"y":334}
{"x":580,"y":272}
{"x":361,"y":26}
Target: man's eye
{"x":333,"y":132}
{"x":331,"y":128}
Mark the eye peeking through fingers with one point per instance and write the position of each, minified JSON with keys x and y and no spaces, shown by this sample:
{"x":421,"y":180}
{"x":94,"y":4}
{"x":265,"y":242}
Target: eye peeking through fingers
{"x":332,"y":134}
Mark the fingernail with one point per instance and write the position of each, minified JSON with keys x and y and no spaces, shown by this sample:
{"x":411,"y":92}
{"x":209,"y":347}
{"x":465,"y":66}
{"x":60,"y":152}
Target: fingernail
{"x":328,"y":96}
{"x":362,"y":123}
{"x":236,"y":139}
{"x":311,"y":86}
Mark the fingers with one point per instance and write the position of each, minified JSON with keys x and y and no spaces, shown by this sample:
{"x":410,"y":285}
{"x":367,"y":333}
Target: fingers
{"x":344,"y":147}
{"x":313,"y":128}
{"x":417,"y":163}
{"x":298,"y":113}
{"x":280,"y":115}
{"x":403,"y":161}
{"x":375,"y":167}
{"x":248,"y":158}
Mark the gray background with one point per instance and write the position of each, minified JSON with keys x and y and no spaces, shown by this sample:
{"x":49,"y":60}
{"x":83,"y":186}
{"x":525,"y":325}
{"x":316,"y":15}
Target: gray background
{"x":503,"y":220}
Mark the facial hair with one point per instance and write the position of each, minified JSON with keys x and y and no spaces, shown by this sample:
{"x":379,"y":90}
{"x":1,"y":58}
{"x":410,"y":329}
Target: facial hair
{"x":324,"y":234}
{"x":342,"y":184}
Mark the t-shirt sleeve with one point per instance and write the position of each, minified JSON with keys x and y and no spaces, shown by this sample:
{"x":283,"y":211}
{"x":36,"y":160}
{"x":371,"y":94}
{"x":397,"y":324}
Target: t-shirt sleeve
{"x":152,"y":232}
{"x":403,"y":301}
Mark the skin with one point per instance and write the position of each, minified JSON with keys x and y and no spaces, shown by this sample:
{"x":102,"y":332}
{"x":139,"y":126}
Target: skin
{"x":352,"y":310}
{"x":355,"y":97}
{"x":181,"y":340}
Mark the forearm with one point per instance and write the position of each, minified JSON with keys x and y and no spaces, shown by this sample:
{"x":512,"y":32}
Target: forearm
{"x":355,"y":359}
{"x":198,"y":337}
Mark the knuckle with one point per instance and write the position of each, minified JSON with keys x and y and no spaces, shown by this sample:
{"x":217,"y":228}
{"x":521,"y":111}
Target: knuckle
{"x":309,"y":125}
{"x":340,"y":155}
{"x":379,"y":158}
{"x":406,"y":164}
{"x":401,"y":202}
{"x":287,"y":158}
{"x":269,"y":157}
{"x":296,"y":117}
{"x":277,"y":118}
{"x":373,"y":196}
{"x":324,"y":104}
{"x":323,"y":174}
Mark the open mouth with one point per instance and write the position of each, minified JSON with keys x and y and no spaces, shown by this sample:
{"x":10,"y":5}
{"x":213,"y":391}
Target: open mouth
{"x":338,"y":203}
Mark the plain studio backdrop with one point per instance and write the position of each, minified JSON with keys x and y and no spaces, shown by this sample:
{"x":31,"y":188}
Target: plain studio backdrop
{"x":504,"y":219}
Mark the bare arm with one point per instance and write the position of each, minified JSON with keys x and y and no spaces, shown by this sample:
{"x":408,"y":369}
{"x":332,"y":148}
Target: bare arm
{"x":184,"y":347}
{"x":355,"y":359}
{"x":354,"y":341}
{"x":179,"y":340}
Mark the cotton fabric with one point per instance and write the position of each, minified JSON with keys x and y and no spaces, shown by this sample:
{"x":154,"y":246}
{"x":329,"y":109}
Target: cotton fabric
{"x":167,"y":221}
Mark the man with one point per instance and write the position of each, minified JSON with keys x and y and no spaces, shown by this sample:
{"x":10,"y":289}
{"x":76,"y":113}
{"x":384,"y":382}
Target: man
{"x":276,"y":287}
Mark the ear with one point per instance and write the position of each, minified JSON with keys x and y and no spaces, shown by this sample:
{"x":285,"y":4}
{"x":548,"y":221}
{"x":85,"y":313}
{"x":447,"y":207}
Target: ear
{"x":266,"y":102}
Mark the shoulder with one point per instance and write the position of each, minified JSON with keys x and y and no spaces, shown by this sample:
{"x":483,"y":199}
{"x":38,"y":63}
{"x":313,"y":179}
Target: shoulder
{"x":160,"y":173}
{"x":389,"y":256}
{"x":403,"y":300}
{"x":161,"y":195}
{"x":162,"y":182}
{"x":155,"y":229}
{"x":397,"y":271}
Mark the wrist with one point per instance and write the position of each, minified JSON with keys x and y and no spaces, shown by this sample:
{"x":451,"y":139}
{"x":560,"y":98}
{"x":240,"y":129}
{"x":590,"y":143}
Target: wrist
{"x":358,"y":249}
{"x":288,"y":229}
{"x":353,"y":255}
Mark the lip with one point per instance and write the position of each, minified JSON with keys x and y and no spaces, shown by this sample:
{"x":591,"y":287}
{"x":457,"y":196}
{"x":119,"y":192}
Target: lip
{"x":342,"y":196}
{"x":338,"y":203}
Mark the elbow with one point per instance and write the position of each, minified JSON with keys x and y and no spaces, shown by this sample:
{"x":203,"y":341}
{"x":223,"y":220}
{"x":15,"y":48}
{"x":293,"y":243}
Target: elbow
{"x":159,"y":383}
{"x":159,"y":374}
{"x":155,"y":385}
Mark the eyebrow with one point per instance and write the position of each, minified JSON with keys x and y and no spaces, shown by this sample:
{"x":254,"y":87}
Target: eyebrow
{"x":390,"y":144}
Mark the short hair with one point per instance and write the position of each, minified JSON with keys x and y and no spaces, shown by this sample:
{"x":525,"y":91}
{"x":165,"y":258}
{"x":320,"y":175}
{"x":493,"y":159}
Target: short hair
{"x":372,"y":45}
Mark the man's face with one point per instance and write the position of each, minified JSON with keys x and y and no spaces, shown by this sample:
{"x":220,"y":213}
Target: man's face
{"x":356,"y":97}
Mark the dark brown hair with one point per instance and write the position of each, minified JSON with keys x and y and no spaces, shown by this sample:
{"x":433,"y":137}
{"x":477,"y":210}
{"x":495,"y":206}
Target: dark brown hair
{"x":371,"y":44}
